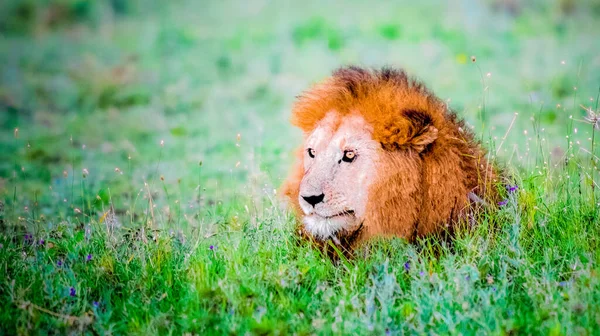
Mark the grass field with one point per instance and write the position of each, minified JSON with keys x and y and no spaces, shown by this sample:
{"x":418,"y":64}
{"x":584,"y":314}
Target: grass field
{"x":142,"y":145}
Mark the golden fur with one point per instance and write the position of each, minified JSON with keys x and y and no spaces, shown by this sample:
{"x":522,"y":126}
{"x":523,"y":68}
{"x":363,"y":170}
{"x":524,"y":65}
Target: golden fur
{"x":431,"y":164}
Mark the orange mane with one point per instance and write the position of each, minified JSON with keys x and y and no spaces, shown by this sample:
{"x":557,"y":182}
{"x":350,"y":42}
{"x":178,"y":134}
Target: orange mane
{"x":381,"y":97}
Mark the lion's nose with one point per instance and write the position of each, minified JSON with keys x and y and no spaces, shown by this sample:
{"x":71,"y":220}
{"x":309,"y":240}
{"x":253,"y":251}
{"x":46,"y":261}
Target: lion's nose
{"x":314,"y":200}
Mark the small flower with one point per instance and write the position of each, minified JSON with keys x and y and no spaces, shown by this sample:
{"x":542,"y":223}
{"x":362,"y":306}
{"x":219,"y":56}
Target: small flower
{"x":95,"y":304}
{"x":503,"y":203}
{"x":473,"y":59}
{"x":59,"y":263}
{"x":41,"y":242}
{"x":562,"y":283}
{"x":72,"y":291}
{"x":468,"y":277}
{"x":512,"y":188}
{"x":593,"y":118}
{"x":421,"y":273}
{"x":407,"y":266}
{"x":211,"y":247}
{"x":89,"y":257}
{"x":85,"y":172}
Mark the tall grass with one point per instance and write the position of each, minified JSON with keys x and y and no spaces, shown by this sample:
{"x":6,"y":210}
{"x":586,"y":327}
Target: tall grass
{"x":530,"y":268}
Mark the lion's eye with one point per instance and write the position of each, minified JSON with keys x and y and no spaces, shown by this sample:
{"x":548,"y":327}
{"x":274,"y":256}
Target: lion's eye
{"x":349,"y":156}
{"x":311,"y":152}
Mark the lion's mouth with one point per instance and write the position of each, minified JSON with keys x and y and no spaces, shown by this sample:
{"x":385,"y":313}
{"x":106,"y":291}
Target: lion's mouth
{"x":326,"y":225}
{"x":343,"y":213}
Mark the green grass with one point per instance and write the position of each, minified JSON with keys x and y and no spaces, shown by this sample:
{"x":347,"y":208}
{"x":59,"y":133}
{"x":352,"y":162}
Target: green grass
{"x":141,"y":146}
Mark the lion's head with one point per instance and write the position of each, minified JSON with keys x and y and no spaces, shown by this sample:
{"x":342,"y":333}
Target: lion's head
{"x":381,"y":156}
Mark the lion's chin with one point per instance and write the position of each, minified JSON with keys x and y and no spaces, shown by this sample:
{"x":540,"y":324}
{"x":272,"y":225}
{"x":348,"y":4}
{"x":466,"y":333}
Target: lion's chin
{"x":323,"y":228}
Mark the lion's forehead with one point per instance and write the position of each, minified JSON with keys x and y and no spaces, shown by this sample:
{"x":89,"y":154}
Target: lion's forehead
{"x":336,"y":132}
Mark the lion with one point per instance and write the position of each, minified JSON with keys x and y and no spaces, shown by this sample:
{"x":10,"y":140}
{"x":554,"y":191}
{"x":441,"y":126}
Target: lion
{"x":382,"y":157}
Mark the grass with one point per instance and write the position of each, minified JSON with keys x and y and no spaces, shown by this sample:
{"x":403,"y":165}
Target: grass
{"x":141,"y":148}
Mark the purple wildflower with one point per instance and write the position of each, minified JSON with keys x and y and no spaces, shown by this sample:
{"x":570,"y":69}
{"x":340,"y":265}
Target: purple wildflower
{"x":407,"y":266}
{"x":562,"y":283}
{"x":95,"y":304}
{"x":512,"y":188}
{"x":387,"y":331}
{"x":41,"y":242}
{"x":28,"y":238}
{"x":72,"y":291}
{"x":211,"y":247}
{"x":468,"y":277}
{"x":59,"y":263}
{"x":421,"y":273}
{"x":89,"y":257}
{"x":503,"y":203}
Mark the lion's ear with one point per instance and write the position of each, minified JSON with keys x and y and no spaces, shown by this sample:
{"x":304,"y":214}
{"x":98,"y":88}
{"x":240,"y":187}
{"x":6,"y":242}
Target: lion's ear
{"x":411,"y":129}
{"x":421,"y":131}
{"x":427,"y":136}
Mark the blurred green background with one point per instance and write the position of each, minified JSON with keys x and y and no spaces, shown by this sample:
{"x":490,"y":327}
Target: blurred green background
{"x":99,"y":85}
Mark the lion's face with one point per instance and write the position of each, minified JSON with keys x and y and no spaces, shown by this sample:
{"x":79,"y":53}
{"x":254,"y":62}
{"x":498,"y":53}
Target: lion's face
{"x":340,"y":159}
